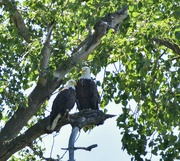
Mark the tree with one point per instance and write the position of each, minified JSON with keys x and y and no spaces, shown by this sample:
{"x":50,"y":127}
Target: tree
{"x":46,"y":42}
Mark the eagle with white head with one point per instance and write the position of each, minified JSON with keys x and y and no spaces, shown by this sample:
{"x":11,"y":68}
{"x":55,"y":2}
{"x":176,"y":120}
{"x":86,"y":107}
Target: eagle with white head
{"x":86,"y":91}
{"x":62,"y":104}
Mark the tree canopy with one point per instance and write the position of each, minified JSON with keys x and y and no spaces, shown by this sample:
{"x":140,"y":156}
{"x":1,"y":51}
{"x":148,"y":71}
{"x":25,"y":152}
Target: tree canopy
{"x":46,"y":42}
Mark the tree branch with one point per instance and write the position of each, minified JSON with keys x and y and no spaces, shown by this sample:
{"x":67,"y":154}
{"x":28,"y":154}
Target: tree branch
{"x":111,"y":20}
{"x":17,"y":19}
{"x":89,"y":117}
{"x":45,"y":56}
{"x":20,"y":25}
{"x":72,"y":139}
{"x":89,"y":148}
{"x":174,"y":47}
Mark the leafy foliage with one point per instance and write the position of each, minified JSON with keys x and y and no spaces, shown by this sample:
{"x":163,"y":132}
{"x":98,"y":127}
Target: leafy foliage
{"x":145,"y":54}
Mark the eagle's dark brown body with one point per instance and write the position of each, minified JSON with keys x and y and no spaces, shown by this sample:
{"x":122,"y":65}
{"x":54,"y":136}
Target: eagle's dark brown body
{"x":87,"y":94}
{"x":63,"y":103}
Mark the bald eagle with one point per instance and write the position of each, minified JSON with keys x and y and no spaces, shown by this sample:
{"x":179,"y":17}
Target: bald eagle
{"x":86,"y":91}
{"x":62,"y":104}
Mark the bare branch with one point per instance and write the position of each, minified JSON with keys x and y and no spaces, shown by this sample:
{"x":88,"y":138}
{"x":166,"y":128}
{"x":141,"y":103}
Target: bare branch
{"x":112,"y":20}
{"x":72,"y":138}
{"x":52,"y":146}
{"x":45,"y":56}
{"x":89,"y":148}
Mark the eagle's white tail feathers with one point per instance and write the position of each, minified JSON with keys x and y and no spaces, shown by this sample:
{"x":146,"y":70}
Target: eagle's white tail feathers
{"x":54,"y":123}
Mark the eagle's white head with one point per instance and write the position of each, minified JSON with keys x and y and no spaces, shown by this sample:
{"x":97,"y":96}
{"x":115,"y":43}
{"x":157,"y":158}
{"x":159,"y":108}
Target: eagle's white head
{"x":70,"y":84}
{"x":86,"y":73}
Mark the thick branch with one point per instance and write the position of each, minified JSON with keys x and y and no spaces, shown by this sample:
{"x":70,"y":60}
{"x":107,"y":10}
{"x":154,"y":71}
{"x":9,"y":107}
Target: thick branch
{"x":18,"y":21}
{"x":89,"y":117}
{"x":72,"y":139}
{"x":111,"y":20}
{"x":174,"y":47}
{"x":20,"y":25}
{"x":84,"y":118}
{"x":45,"y":57}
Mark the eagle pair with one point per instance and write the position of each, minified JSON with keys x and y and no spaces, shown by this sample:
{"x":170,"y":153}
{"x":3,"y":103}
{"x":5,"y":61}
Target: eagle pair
{"x":84,"y":93}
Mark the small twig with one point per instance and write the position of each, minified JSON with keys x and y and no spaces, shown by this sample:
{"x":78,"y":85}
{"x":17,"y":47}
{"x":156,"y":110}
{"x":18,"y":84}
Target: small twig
{"x":63,"y":154}
{"x":115,"y":67}
{"x":89,"y":148}
{"x":41,"y":155}
{"x":175,"y":58}
{"x":104,"y":74}
{"x":35,"y":151}
{"x":52,"y":147}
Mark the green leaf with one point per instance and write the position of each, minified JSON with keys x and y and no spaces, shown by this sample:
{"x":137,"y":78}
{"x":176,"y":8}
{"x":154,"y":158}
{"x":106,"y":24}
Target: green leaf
{"x":135,"y":14}
{"x":177,"y":35}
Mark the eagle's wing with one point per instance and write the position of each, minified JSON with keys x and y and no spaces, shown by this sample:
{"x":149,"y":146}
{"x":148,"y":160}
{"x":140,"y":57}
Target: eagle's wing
{"x":64,"y":101}
{"x":94,"y":95}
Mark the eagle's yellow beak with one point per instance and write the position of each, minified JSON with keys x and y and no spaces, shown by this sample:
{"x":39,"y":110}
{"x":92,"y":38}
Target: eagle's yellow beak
{"x":83,"y":70}
{"x":74,"y":83}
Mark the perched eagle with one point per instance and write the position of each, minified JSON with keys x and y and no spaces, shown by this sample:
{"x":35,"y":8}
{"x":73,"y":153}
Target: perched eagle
{"x":62,"y":104}
{"x":86,"y":91}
